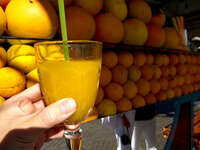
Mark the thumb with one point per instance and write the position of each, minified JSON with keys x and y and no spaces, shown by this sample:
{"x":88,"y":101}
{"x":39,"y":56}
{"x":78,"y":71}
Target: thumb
{"x":55,"y":113}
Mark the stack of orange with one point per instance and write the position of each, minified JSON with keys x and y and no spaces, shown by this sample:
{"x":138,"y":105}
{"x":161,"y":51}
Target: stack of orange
{"x":132,"y":80}
{"x":129,"y":22}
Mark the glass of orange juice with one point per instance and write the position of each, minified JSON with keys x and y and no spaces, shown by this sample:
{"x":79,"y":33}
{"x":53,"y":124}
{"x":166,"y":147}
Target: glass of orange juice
{"x":77,"y":78}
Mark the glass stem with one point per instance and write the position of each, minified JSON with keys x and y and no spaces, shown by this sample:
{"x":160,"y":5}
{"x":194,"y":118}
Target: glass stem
{"x":73,"y":143}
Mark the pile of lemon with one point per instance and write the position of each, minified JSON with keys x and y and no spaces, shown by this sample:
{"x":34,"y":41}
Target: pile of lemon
{"x":17,"y":70}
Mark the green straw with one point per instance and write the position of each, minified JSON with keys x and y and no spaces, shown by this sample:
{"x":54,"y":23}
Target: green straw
{"x":63,"y":28}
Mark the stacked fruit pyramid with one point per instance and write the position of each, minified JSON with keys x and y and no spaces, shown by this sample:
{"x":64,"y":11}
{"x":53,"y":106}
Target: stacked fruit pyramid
{"x":132,"y":80}
{"x":129,"y":79}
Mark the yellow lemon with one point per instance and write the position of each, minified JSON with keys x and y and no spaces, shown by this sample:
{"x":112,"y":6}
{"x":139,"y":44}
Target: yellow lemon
{"x":30,"y":83}
{"x":51,"y":52}
{"x":34,"y":18}
{"x":53,"y":49}
{"x":33,"y":75}
{"x":106,"y":108}
{"x":12,"y":82}
{"x":2,"y":21}
{"x":3,"y":57}
{"x":22,"y":57}
{"x":2,"y":100}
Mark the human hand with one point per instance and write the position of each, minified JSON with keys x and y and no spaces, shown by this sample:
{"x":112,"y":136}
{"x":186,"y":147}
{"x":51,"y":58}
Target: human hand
{"x":26,"y":123}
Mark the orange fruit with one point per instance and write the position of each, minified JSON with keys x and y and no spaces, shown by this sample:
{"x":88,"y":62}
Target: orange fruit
{"x":182,"y":59}
{"x":198,"y":58}
{"x":143,"y":87}
{"x":135,"y":32}
{"x":130,"y":89}
{"x":188,"y":79}
{"x":109,"y":58}
{"x":124,"y":105}
{"x":165,"y":71}
{"x":106,"y":108}
{"x":140,"y":59}
{"x":156,"y":72}
{"x":180,"y":80}
{"x":178,"y":91}
{"x":161,"y":96}
{"x":114,"y":6}
{"x":173,"y":59}
{"x":195,"y":69}
{"x":172,"y":71}
{"x":109,"y":28}
{"x":134,"y":73}
{"x":163,"y":84}
{"x":171,"y":38}
{"x":188,"y":59}
{"x":100,"y":96}
{"x":114,"y":91}
{"x":190,"y":88}
{"x":138,"y":102}
{"x":194,"y":60}
{"x":34,"y":19}
{"x":2,"y":21}
{"x":147,"y":72}
{"x":93,"y":7}
{"x":141,"y":10}
{"x":166,"y":60}
{"x":170,"y":93}
{"x":185,"y":89}
{"x":196,"y":87}
{"x":197,"y":78}
{"x":181,"y":69}
{"x":198,"y":68}
{"x":155,"y":40}
{"x":158,"y":60}
{"x":149,"y":59}
{"x":119,"y":74}
{"x":190,"y":69}
{"x":158,"y":19}
{"x":150,"y":99}
{"x":172,"y":83}
{"x":80,"y":24}
{"x":126,"y":59}
{"x":155,"y":86}
{"x":105,"y":76}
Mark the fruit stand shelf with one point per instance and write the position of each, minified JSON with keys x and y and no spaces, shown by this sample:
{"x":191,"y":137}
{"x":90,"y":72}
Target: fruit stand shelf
{"x":145,"y":49}
{"x":117,"y":47}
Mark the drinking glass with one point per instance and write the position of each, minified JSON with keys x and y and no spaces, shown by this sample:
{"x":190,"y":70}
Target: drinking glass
{"x":77,"y":78}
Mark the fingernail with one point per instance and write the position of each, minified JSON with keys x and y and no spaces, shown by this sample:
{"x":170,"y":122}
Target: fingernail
{"x":68,"y":106}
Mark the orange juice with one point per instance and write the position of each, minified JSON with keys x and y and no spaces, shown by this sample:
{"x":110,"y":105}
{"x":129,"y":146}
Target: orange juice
{"x":77,"y":79}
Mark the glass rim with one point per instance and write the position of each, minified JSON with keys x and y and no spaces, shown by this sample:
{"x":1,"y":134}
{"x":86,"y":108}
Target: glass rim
{"x":69,"y":42}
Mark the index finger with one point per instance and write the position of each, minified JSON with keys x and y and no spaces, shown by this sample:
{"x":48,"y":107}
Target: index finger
{"x":33,"y":93}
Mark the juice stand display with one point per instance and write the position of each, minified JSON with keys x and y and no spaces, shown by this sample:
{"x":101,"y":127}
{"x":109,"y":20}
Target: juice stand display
{"x":146,"y":60}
